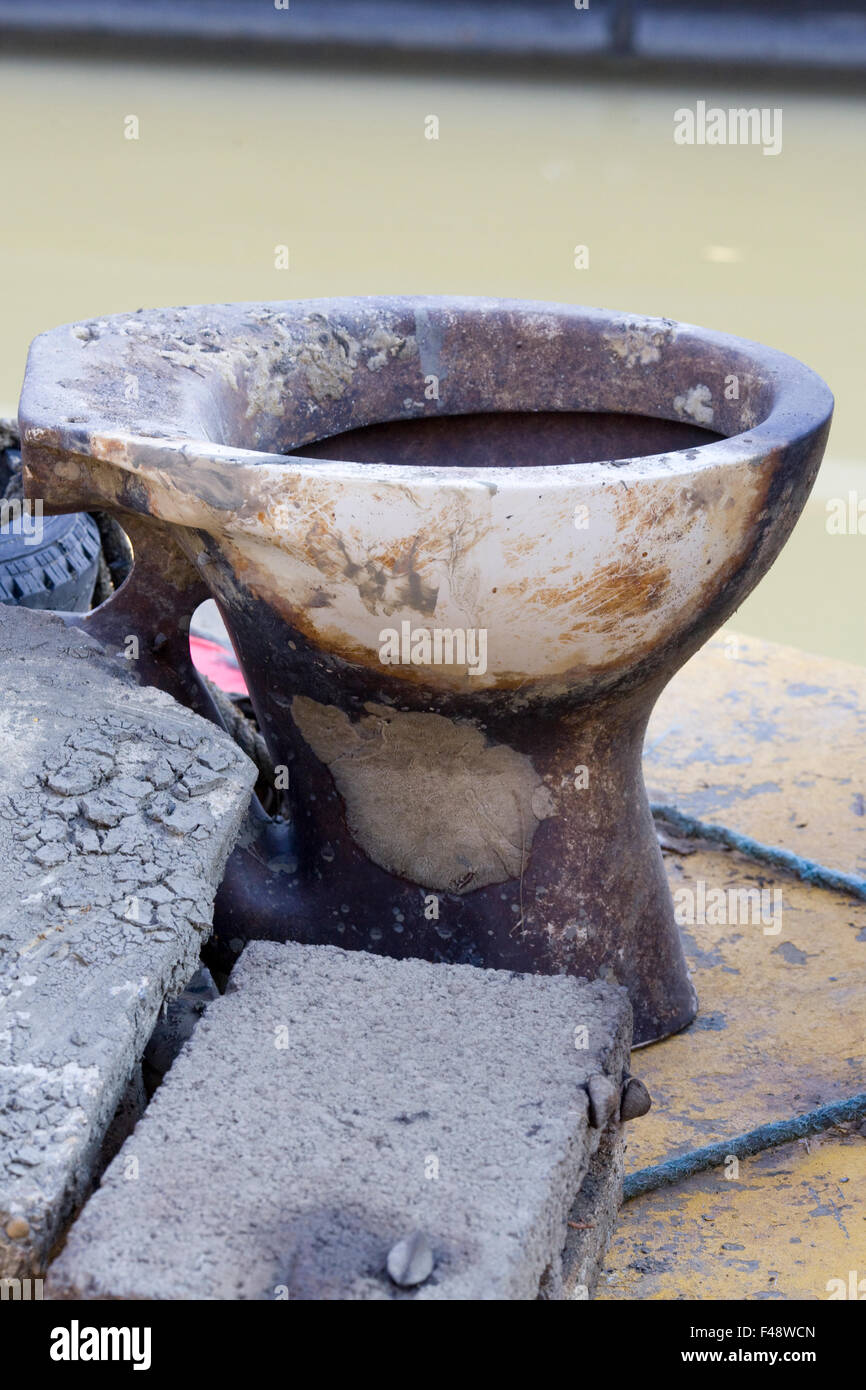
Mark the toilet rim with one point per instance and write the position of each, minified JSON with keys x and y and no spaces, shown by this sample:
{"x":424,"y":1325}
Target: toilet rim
{"x":88,"y":416}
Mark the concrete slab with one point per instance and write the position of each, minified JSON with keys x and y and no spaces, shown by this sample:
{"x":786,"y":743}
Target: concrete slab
{"x":333,"y":1103}
{"x":117,"y":810}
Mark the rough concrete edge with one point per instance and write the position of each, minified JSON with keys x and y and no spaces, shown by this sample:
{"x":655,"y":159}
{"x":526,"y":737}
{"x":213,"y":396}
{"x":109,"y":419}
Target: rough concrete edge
{"x":596,"y":1208}
{"x":30,"y":1256}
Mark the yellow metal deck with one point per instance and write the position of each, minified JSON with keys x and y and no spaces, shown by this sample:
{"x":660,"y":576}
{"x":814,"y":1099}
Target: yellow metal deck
{"x":769,"y":742}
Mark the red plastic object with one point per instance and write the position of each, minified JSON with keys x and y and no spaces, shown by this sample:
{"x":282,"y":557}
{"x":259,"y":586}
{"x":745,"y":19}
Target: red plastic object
{"x":218,"y":664}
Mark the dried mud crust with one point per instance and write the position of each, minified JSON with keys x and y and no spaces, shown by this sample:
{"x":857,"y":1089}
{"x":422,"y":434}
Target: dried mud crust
{"x":118,"y":808}
{"x":389,"y":767}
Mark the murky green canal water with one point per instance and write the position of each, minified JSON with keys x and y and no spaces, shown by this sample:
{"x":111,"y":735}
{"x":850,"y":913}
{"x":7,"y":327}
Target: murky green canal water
{"x":228,"y":166}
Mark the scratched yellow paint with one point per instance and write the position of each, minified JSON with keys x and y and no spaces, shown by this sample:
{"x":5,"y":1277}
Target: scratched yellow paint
{"x":769,"y":742}
{"x":781,"y":1027}
{"x":782,"y":1022}
{"x":792,"y":1220}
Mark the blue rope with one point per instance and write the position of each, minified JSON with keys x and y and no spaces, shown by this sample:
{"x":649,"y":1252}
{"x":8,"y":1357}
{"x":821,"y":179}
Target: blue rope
{"x":744,"y":1145}
{"x":767,"y":1136}
{"x":807,"y":869}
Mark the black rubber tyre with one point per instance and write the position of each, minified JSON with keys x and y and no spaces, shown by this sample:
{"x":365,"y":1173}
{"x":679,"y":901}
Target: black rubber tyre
{"x":58,"y":571}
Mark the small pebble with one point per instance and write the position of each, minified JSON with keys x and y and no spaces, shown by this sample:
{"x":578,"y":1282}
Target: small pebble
{"x":603,"y":1100}
{"x":410,"y":1261}
{"x":636,"y":1099}
{"x":17,"y":1228}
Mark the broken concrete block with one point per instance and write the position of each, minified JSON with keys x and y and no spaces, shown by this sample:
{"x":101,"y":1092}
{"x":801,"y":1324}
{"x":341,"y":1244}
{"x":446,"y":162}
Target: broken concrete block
{"x":334,"y":1105}
{"x":93,"y":934}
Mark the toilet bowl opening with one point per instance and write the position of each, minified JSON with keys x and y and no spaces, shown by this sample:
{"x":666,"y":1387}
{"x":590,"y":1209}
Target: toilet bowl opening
{"x":510,"y":439}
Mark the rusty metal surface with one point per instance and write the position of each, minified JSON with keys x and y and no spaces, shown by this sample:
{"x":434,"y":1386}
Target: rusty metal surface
{"x":439,"y":811}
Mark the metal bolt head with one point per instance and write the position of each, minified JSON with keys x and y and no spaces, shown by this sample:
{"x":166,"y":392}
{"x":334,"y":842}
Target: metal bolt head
{"x":636,"y":1099}
{"x":410,"y":1261}
{"x":603,"y":1099}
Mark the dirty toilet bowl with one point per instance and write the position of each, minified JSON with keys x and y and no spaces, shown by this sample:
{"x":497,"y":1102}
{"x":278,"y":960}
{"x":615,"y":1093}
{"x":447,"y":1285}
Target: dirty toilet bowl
{"x":572,"y":500}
